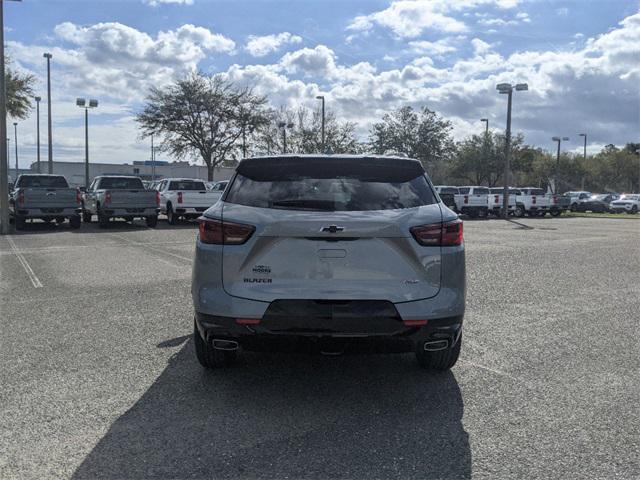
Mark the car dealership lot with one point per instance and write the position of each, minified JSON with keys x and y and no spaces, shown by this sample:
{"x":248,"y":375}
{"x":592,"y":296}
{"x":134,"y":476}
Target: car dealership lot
{"x":100,"y":379}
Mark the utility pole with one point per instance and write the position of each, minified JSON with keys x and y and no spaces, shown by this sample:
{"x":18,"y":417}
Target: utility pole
{"x":321,"y":97}
{"x":486,"y":127}
{"x":37,"y":99}
{"x":585,"y":144}
{"x":15,"y":140}
{"x":82,"y":103}
{"x":557,"y":175}
{"x":50,"y":138}
{"x":284,"y":126}
{"x":507,"y":88}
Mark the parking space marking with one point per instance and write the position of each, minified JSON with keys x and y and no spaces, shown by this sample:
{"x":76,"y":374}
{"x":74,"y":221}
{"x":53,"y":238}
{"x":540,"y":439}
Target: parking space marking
{"x":23,"y":261}
{"x":147,"y":245}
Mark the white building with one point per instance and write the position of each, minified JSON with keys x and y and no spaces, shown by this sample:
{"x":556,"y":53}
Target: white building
{"x":74,"y":171}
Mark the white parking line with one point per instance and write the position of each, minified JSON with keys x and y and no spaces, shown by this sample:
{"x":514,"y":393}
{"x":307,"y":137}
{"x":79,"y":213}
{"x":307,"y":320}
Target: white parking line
{"x":23,"y":261}
{"x":147,"y":245}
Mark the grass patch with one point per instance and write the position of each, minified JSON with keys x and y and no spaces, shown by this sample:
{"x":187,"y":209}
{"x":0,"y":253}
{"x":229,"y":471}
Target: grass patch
{"x":601,"y":215}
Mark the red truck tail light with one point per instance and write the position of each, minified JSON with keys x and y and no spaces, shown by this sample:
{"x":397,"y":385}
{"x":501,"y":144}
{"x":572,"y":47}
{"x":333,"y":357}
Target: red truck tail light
{"x":107,"y":197}
{"x":439,"y":234}
{"x":217,"y":232}
{"x":415,"y":323}
{"x":533,"y":200}
{"x":157,"y":198}
{"x":496,"y":199}
{"x":179,"y":197}
{"x":78,"y":196}
{"x":554,"y":199}
{"x":21,"y":198}
{"x":466,"y":199}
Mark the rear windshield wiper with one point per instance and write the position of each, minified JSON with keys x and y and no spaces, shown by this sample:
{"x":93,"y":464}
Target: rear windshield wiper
{"x":302,"y":204}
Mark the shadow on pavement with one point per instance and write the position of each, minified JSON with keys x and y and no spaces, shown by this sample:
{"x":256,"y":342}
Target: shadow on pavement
{"x":276,"y":416}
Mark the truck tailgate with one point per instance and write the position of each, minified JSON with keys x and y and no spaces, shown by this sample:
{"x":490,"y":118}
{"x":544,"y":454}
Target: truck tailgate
{"x":133,"y":198}
{"x":50,"y":197}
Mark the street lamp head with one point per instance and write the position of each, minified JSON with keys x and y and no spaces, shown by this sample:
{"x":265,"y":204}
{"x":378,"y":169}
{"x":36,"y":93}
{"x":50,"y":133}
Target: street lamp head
{"x":289,"y":125}
{"x":555,"y":139}
{"x":47,"y":55}
{"x":15,"y":124}
{"x":320,"y":97}
{"x":81,"y":102}
{"x":37,"y":99}
{"x":504,"y":87}
{"x":93,"y":103}
{"x":484,"y":119}
{"x":565,"y":138}
{"x":282,"y":124}
{"x":522,"y":86}
{"x":582,"y":134}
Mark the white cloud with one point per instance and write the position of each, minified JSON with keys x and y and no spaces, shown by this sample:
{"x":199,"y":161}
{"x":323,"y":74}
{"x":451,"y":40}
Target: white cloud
{"x":409,"y":18}
{"x":259,"y":46}
{"x":155,"y":3}
{"x":311,"y":61}
{"x":439,"y":47}
{"x":480,"y":46}
{"x":563,"y":12}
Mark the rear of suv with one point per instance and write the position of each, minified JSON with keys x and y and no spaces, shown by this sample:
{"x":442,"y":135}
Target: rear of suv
{"x":331,"y":254}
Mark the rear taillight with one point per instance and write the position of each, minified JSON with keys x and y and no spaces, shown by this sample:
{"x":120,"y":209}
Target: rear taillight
{"x":157,"y":198}
{"x":533,"y":200}
{"x":466,"y":199}
{"x":179,"y":197}
{"x":107,"y":198}
{"x":218,"y":232}
{"x":439,"y":234}
{"x":21,"y":199}
{"x":78,"y":196}
{"x":554,"y":199}
{"x":496,"y":198}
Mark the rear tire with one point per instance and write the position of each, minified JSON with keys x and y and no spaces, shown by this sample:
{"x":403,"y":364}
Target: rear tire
{"x":20,"y":222}
{"x":151,"y":221}
{"x":86,"y":216}
{"x":103,"y":220}
{"x":74,"y":222}
{"x":440,"y":360}
{"x":210,"y":357}
{"x":519,"y":211}
{"x":555,"y":213}
{"x":633,"y":210}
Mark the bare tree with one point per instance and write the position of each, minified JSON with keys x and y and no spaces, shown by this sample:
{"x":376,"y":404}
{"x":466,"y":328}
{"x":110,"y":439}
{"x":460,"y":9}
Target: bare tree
{"x":203,"y":115}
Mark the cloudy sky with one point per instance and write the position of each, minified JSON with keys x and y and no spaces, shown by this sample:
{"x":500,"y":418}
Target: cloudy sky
{"x":580,"y":58}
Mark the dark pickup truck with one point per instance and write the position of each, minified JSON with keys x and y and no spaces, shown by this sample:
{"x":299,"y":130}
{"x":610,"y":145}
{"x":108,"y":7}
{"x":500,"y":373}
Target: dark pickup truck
{"x":44,"y":197}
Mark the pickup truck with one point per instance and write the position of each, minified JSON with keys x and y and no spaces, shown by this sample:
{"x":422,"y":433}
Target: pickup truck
{"x":185,"y":197}
{"x":532,"y":201}
{"x":119,"y":196}
{"x":558,"y":204}
{"x":494,"y":200}
{"x":44,"y":197}
{"x":448,"y":196}
{"x":473,"y":201}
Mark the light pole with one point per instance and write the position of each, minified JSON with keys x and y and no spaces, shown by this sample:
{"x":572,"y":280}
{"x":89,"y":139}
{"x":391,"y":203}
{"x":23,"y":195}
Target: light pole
{"x":82,"y":103}
{"x":49,"y":133}
{"x":321,"y":97}
{"x":284,"y":126}
{"x":486,"y":127}
{"x":4,"y":162}
{"x":507,"y":88}
{"x":37,"y":99}
{"x":585,"y":144}
{"x":559,"y":140}
{"x":15,"y":141}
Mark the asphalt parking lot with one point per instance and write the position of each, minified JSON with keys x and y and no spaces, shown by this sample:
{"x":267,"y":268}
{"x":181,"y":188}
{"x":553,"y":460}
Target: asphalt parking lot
{"x":99,"y":378}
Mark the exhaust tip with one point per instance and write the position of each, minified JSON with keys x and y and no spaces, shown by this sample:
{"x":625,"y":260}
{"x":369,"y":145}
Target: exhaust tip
{"x":229,"y":345}
{"x":436,"y":345}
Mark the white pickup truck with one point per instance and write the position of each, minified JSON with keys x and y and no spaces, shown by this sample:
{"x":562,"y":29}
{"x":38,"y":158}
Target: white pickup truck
{"x":495,"y":200}
{"x":473,"y":201}
{"x":532,"y":201}
{"x":185,"y":197}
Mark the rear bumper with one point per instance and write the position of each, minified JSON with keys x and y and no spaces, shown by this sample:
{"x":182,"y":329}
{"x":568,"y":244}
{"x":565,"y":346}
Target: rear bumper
{"x":46,"y":212}
{"x":263,"y":337}
{"x":190,"y":210}
{"x":130,"y":212}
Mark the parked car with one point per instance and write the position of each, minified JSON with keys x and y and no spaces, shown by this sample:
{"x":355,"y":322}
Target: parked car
{"x":495,"y":200}
{"x":473,"y":201}
{"x":219,"y":186}
{"x":599,"y":203}
{"x":44,"y":197}
{"x":559,"y":204}
{"x":120,"y":196}
{"x":185,"y":198}
{"x":448,"y":196}
{"x":325,"y":253}
{"x":576,"y":198}
{"x":629,"y":203}
{"x":532,"y":201}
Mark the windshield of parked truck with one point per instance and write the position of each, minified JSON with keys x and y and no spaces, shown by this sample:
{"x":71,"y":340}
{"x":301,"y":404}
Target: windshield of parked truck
{"x":121,"y":183}
{"x":37,"y":181}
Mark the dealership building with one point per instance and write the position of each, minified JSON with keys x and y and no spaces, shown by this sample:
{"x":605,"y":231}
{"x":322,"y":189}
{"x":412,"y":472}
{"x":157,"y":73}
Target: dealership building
{"x":74,"y":171}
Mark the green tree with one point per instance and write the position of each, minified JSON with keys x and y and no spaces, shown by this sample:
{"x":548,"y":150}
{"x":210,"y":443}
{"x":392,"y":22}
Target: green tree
{"x":19,"y":91}
{"x":202,"y":115}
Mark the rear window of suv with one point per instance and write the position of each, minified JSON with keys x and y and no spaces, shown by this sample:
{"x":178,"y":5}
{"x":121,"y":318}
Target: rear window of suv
{"x":330,"y":184}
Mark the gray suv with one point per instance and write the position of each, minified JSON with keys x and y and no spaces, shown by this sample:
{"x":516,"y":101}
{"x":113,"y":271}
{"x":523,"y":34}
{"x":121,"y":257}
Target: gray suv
{"x":330,"y":254}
